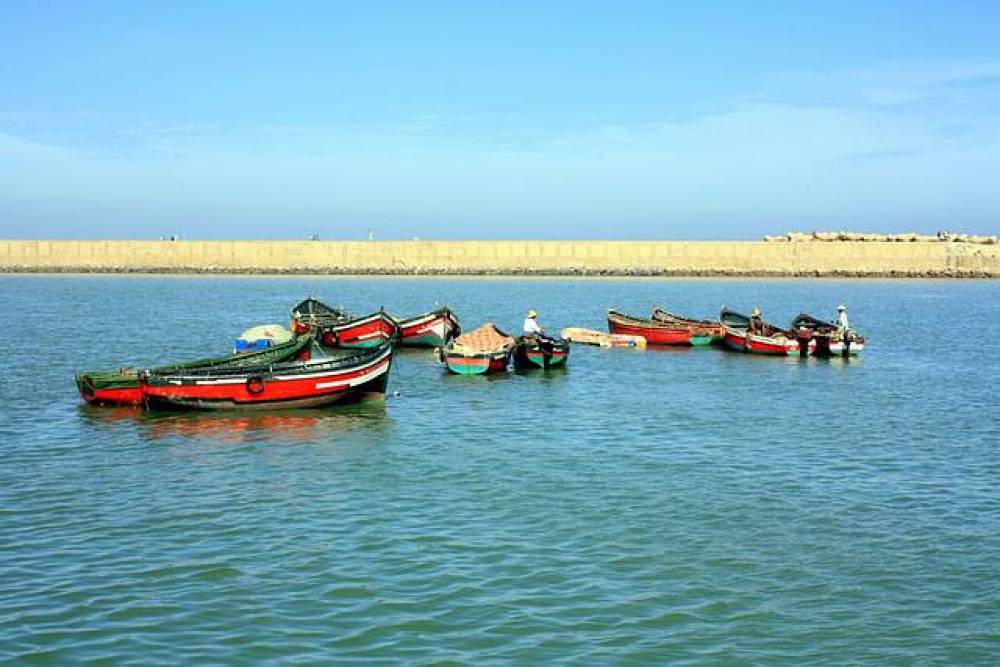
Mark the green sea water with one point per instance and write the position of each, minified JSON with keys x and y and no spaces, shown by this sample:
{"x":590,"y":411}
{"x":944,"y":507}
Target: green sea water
{"x":665,"y":506}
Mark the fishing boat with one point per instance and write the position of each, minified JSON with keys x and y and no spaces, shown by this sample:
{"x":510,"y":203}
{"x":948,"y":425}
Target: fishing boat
{"x":433,"y":329}
{"x":656,"y":332}
{"x":601,"y":339}
{"x":362,"y":332}
{"x":312,"y":315}
{"x":483,"y":350}
{"x":312,"y":383}
{"x":122,"y":387}
{"x":703,"y":332}
{"x":773,"y":340}
{"x":830,"y":340}
{"x":540,"y":352}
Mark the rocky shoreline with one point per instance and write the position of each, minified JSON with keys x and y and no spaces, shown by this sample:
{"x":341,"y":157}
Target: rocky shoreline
{"x":486,"y":272}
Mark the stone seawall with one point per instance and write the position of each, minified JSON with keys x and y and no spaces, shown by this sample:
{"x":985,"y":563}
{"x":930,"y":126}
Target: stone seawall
{"x":665,"y":258}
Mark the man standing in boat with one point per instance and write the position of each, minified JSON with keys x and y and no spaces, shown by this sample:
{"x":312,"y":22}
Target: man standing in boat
{"x":842,"y":324}
{"x":531,"y":326}
{"x":756,"y":323}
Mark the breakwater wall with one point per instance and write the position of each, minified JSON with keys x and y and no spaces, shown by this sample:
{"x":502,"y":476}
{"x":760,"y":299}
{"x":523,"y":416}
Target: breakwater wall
{"x":661,"y":258}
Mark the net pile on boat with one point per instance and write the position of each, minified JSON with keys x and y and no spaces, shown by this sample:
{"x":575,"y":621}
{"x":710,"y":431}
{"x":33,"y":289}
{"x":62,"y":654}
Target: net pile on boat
{"x":486,"y":338}
{"x":271,"y":332}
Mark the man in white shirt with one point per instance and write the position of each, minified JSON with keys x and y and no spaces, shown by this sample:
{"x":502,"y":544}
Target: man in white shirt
{"x":842,"y":322}
{"x":531,"y":327}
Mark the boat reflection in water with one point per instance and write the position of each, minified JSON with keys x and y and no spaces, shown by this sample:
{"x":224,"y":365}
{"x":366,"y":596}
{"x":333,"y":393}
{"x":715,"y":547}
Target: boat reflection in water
{"x":236,"y":427}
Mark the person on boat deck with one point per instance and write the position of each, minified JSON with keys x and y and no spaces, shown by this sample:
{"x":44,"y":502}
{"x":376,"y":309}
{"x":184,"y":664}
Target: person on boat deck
{"x":756,"y":324}
{"x":842,"y":322}
{"x":531,"y":326}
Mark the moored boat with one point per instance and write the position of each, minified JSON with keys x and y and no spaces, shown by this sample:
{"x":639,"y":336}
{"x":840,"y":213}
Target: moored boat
{"x":540,"y":352}
{"x":703,"y":332}
{"x":599,"y":338}
{"x":483,"y":350}
{"x":773,"y":340}
{"x":312,"y":315}
{"x":316,"y":382}
{"x":368,"y":331}
{"x":433,"y":329}
{"x":830,"y":340}
{"x":122,"y":387}
{"x":656,"y":332}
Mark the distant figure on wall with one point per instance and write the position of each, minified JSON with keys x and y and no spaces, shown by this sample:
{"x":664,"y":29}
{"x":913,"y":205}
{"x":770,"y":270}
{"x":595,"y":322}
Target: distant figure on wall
{"x":531,"y":326}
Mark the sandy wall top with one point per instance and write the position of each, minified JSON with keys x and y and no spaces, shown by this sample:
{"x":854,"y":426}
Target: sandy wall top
{"x":506,"y":257}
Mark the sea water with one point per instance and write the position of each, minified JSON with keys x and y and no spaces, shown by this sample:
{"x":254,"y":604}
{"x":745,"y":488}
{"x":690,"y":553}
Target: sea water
{"x":654,"y":506}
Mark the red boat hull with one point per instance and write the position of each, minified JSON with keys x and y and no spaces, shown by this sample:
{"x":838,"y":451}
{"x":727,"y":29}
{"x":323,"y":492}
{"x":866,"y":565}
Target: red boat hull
{"x":736,"y":339}
{"x":430,"y":330}
{"x":121,"y":396}
{"x":307,"y":385}
{"x":369,"y":331}
{"x":653,"y":335}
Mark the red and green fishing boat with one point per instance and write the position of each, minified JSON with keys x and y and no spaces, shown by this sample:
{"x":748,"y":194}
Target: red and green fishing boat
{"x":772,"y":340}
{"x":317,"y":382}
{"x":703,"y":332}
{"x":122,"y":387}
{"x":540,"y":352}
{"x":363,"y":332}
{"x":830,"y":340}
{"x":433,"y":329}
{"x":656,"y":332}
{"x":483,"y":350}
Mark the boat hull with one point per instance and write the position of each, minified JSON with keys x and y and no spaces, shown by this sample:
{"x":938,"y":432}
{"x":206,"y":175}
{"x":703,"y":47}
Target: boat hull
{"x":549,"y":353}
{"x":740,"y":341}
{"x":434,"y":329}
{"x":305,"y":385}
{"x":127,"y":393}
{"x":703,"y":332}
{"x":839,"y":348}
{"x":362,"y":333}
{"x":601,"y":339}
{"x":477,"y":364}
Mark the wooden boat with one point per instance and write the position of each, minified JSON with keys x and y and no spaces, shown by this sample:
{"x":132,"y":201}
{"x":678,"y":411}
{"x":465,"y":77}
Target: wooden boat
{"x":433,"y":329}
{"x":483,"y":350}
{"x":594,"y":337}
{"x":316,"y":382}
{"x":829,"y":339}
{"x":540,"y":352}
{"x":657,"y":333}
{"x":703,"y":332}
{"x":368,"y":331}
{"x":773,"y":341}
{"x":122,"y":387}
{"x":312,"y":315}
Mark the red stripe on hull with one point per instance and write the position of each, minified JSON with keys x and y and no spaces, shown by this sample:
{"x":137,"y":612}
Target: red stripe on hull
{"x":364,"y":331}
{"x":413,"y":333}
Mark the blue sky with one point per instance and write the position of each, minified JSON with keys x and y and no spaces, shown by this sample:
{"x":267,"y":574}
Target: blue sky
{"x":507,"y":120}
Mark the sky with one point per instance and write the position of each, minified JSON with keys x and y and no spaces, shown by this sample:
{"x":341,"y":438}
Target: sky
{"x":467,"y":120}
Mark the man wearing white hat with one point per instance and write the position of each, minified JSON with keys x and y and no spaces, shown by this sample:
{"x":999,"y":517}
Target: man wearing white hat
{"x":842,"y":322}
